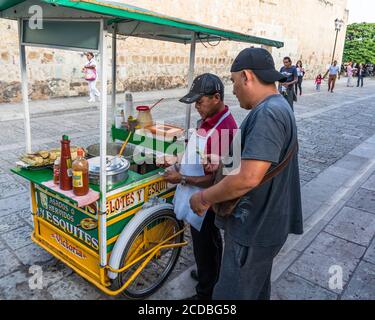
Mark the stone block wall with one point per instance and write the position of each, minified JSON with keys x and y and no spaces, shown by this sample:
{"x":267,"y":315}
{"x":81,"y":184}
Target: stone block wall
{"x":305,"y":26}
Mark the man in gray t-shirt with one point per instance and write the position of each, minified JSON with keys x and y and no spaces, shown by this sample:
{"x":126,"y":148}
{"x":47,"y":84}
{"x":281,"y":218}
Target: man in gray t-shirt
{"x":267,"y":213}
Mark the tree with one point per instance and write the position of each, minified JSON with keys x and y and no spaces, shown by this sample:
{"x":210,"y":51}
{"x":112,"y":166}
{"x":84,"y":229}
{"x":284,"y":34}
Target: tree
{"x":360,"y":43}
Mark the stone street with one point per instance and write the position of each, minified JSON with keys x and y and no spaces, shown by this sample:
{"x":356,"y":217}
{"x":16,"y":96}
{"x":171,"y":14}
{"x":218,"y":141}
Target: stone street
{"x":337,"y":169}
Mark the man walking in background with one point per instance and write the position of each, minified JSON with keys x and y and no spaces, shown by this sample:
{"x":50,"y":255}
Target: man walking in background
{"x":334,"y":73}
{"x":287,"y":88}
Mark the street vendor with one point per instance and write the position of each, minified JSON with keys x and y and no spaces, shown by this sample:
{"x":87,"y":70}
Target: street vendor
{"x":216,"y":125}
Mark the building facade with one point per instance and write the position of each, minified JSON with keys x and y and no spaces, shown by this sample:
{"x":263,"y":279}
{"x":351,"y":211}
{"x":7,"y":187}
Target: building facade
{"x":305,"y":26}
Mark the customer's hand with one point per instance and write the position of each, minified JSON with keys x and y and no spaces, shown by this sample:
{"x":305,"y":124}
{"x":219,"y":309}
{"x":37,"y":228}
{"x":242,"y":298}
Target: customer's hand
{"x":211,"y":163}
{"x":196,"y":204}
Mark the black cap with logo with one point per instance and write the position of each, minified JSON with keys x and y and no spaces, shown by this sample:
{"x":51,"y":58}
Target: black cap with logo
{"x":259,"y":61}
{"x":206,"y":84}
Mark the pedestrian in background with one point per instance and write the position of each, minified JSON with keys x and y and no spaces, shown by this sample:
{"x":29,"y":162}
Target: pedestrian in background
{"x":287,"y":88}
{"x":334,"y":73}
{"x":361,"y":73}
{"x":90,"y":76}
{"x":318,"y":81}
{"x":300,"y":74}
{"x":349,"y":72}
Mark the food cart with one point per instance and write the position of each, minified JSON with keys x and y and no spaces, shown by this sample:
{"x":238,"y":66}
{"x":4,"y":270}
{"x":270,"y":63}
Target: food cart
{"x":128,"y":240}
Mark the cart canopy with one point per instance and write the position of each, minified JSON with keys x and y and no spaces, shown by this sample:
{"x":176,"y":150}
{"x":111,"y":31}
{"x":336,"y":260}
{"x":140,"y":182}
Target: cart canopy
{"x":130,"y":20}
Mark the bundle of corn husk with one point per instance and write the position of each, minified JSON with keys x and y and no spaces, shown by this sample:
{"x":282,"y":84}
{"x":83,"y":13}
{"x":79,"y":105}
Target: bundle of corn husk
{"x":45,"y":157}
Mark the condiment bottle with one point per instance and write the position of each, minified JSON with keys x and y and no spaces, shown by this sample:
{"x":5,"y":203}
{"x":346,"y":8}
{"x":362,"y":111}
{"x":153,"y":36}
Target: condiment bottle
{"x":144,"y":116}
{"x":65,"y":165}
{"x":56,"y":171}
{"x":80,"y":174}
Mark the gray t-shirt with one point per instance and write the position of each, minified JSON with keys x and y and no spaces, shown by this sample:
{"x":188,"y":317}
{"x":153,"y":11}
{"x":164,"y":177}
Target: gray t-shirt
{"x":267,"y":214}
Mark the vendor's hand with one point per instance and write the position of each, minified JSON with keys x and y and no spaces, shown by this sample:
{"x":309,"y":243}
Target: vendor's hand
{"x":166,"y":161}
{"x":196,"y":204}
{"x":172,"y":176}
{"x":211,"y":163}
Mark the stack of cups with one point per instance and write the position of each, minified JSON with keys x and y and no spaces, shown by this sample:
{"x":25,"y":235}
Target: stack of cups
{"x":129,"y":107}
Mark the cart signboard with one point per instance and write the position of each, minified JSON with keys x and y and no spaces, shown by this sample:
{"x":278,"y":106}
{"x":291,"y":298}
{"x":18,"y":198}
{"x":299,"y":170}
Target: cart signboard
{"x":81,"y":225}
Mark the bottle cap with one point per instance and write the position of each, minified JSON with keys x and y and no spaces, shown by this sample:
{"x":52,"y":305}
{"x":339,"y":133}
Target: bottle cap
{"x":65,"y":137}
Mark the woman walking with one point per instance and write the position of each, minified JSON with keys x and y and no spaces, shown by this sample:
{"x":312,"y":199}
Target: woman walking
{"x":90,"y":76}
{"x":349,"y":71}
{"x":300,"y":74}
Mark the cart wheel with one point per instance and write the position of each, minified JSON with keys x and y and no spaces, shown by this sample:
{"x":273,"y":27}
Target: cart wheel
{"x":154,"y":229}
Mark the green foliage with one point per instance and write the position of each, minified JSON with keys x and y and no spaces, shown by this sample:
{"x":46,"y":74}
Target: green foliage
{"x":360,"y":43}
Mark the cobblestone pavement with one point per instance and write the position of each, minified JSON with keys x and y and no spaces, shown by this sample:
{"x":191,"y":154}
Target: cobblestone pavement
{"x":330,"y":127}
{"x":338,"y":262}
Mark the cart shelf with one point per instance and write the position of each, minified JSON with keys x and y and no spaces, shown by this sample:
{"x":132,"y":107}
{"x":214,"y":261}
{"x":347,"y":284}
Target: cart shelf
{"x":40,"y":176}
{"x":172,"y":148}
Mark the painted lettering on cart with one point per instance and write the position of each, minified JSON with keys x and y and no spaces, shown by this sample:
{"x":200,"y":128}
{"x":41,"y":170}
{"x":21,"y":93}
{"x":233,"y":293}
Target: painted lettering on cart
{"x":65,"y":243}
{"x":68,"y":228}
{"x":125,"y":202}
{"x":157,"y":188}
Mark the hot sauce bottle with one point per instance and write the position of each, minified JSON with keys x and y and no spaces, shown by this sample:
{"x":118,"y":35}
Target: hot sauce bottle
{"x":80,"y":175}
{"x":65,"y":165}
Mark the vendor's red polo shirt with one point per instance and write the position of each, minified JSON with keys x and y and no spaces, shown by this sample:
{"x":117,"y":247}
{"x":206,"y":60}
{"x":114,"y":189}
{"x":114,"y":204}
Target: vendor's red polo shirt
{"x":204,"y":126}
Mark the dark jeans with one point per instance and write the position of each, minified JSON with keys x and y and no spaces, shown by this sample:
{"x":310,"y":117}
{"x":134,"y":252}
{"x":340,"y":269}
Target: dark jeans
{"x":298,"y":85}
{"x":360,"y":81}
{"x":245,"y":272}
{"x":208,"y":250}
{"x":288,"y":95}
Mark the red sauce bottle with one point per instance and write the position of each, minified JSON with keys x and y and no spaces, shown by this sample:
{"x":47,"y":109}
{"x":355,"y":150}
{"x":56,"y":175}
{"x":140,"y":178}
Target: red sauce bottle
{"x":65,"y":165}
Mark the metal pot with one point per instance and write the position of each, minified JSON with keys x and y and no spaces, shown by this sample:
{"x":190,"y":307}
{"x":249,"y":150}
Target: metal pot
{"x":117,"y":170}
{"x":112,"y":150}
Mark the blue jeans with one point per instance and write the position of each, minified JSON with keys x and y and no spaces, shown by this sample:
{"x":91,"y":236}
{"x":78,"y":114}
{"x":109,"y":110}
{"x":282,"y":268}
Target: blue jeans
{"x":360,"y":80}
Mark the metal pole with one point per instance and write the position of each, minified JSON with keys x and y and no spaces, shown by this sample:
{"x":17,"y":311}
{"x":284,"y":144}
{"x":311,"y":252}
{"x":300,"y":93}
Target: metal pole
{"x":103,"y":149}
{"x":190,"y":81}
{"x":114,"y":67}
{"x":334,"y":47}
{"x":25,"y":94}
{"x":26,"y":109}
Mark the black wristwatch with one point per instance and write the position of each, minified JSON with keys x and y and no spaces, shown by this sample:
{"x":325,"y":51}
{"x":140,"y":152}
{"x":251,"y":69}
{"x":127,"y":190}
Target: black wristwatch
{"x":183,"y":180}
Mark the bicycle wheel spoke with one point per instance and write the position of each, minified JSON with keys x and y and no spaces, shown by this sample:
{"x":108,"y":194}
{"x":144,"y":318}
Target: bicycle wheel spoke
{"x":158,"y":268}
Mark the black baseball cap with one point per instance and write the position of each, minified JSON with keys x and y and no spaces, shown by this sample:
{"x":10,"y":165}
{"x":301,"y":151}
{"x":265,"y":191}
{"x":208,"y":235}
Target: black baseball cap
{"x":206,"y":84}
{"x":259,"y":61}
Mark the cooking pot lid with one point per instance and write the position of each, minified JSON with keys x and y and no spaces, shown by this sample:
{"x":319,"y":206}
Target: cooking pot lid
{"x":115,"y":164}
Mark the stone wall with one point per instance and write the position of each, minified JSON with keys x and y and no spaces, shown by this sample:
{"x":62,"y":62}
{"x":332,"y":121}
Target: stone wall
{"x":305,"y":26}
